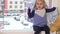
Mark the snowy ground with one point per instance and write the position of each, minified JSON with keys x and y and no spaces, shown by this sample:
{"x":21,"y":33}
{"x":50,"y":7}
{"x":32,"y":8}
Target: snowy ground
{"x":16,"y":25}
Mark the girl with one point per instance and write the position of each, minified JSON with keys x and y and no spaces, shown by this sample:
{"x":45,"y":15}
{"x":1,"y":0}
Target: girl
{"x":39,"y":16}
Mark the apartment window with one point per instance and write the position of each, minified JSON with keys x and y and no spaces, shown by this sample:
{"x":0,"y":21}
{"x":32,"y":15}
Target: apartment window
{"x":2,"y":6}
{"x":15,"y":6}
{"x":2,"y":2}
{"x":21,"y":6}
{"x":16,"y":2}
{"x":10,"y":2}
{"x":21,"y":2}
{"x":10,"y":6}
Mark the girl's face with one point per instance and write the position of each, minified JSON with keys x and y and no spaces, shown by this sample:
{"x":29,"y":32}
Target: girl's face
{"x":39,"y":5}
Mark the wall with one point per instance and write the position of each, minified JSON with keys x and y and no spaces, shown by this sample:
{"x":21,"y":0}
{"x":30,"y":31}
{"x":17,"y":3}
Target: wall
{"x":56,"y":25}
{"x":59,"y":6}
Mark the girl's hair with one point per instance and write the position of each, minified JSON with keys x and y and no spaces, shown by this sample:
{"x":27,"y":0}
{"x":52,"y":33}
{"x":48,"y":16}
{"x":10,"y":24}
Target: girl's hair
{"x":44,"y":3}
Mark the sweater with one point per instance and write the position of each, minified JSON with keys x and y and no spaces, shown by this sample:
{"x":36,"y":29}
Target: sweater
{"x":37,"y":19}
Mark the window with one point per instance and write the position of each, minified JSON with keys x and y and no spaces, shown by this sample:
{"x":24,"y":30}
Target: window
{"x":21,"y":6}
{"x":15,"y":6}
{"x":10,"y":2}
{"x":2,"y":6}
{"x":15,"y":2}
{"x":10,"y":6}
{"x":21,"y":2}
{"x":2,"y":2}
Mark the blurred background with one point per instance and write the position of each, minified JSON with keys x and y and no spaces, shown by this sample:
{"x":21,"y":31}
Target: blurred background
{"x":13,"y":15}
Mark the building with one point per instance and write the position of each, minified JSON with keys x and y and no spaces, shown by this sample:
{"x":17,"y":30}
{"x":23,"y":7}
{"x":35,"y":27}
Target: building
{"x":14,"y":5}
{"x":1,"y":13}
{"x":1,"y":7}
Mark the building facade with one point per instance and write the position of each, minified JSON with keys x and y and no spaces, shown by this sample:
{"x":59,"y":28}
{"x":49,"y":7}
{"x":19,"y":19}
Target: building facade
{"x":14,"y":6}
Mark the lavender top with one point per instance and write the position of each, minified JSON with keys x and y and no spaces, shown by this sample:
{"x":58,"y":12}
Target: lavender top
{"x":38,"y":20}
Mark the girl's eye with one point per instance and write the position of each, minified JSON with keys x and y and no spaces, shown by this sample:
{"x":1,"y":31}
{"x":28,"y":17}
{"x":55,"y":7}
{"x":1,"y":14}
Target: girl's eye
{"x":40,"y":3}
{"x":37,"y":3}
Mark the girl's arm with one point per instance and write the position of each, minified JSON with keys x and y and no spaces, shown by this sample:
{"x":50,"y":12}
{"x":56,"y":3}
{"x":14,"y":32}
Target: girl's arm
{"x":50,"y":10}
{"x":30,"y":14}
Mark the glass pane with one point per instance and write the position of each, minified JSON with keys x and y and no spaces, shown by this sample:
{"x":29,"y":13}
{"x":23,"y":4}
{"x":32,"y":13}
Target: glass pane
{"x":11,"y":2}
{"x":16,"y":2}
